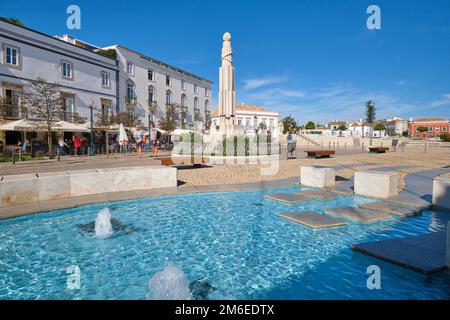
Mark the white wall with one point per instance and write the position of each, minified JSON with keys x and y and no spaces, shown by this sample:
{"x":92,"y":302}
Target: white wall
{"x":140,"y":79}
{"x":41,"y":57}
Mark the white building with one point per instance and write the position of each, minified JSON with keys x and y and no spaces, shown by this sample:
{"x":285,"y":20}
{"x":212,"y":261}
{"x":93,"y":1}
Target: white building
{"x":363,"y":129}
{"x":83,"y":76}
{"x":148,"y":86}
{"x":395,"y":127}
{"x":250,"y":118}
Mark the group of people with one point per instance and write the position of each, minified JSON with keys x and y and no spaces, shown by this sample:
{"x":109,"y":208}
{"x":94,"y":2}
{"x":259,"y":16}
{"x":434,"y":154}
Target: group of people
{"x":64,"y":145}
{"x":143,"y":138}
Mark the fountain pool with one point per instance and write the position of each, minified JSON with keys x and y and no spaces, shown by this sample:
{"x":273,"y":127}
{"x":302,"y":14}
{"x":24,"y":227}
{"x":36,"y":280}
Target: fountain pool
{"x":230,"y":245}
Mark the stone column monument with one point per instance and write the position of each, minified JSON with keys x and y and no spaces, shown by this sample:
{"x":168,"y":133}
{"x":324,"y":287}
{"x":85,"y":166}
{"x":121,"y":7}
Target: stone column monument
{"x":226,"y":89}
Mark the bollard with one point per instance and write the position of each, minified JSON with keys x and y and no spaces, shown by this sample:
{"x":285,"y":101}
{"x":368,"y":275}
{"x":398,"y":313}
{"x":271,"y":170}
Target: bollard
{"x":20,"y":154}
{"x":14,"y":155}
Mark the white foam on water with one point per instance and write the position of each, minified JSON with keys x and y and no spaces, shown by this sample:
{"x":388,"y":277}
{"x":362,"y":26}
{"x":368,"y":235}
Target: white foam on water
{"x":169,"y":284}
{"x":103,"y":227}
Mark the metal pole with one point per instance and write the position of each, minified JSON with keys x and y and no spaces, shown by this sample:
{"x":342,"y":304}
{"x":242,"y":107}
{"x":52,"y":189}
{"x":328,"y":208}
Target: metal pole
{"x":91,"y":107}
{"x":14,"y":154}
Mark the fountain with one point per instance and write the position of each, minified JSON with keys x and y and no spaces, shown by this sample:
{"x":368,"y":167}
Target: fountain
{"x":169,"y":284}
{"x":103,"y":227}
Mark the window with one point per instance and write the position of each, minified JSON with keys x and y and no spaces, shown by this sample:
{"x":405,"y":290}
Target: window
{"x":130,"y":68}
{"x":106,"y":79}
{"x":206,"y":92}
{"x":195,"y":89}
{"x":430,"y":129}
{"x":150,"y":75}
{"x":12,"y":98}
{"x":183,"y":85}
{"x":195,"y":103}
{"x":444,"y":129}
{"x":69,"y":107}
{"x":168,"y":81}
{"x":438,"y":129}
{"x":130,"y":91}
{"x":206,"y":105}
{"x":183,"y":100}
{"x":151,"y":94}
{"x":168,"y":97}
{"x":106,"y":110}
{"x":67,"y":70}
{"x":12,"y":56}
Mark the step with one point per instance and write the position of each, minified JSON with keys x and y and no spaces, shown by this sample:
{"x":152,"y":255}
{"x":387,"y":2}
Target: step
{"x":358,"y":214}
{"x":318,"y":194}
{"x":395,"y":209}
{"x":313,"y":219}
{"x":289,"y":198}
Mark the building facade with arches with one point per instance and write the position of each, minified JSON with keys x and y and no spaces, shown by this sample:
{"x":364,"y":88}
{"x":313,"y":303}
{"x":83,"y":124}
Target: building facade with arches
{"x":148,"y":87}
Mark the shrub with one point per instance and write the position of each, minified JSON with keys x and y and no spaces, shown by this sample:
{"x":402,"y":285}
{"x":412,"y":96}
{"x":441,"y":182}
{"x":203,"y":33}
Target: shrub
{"x":445,"y":137}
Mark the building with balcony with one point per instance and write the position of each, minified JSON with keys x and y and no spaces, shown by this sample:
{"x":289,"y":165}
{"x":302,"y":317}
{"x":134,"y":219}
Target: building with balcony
{"x":83,"y":76}
{"x":149,"y":88}
{"x":252,"y":119}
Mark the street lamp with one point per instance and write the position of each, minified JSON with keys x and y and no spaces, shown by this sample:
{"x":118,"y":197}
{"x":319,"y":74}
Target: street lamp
{"x":91,"y":108}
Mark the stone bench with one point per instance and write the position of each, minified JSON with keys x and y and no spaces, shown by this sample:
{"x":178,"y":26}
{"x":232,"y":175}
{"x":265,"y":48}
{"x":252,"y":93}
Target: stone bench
{"x":377,"y":184}
{"x":441,"y":192}
{"x":21,"y":189}
{"x":317,"y":176}
{"x":320,"y":153}
{"x":378,"y":149}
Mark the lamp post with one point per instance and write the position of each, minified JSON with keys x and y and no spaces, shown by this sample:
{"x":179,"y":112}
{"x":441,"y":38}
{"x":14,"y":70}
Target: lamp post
{"x":91,"y":108}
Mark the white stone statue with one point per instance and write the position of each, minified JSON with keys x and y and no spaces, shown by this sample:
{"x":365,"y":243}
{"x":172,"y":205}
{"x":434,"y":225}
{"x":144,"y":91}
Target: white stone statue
{"x":226,"y":88}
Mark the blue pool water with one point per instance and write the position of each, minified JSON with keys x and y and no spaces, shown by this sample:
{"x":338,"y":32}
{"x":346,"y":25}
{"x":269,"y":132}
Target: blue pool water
{"x":236,"y":241}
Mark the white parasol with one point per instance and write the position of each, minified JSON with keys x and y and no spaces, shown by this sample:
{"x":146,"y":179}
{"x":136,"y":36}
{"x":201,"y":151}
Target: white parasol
{"x":123,"y":137}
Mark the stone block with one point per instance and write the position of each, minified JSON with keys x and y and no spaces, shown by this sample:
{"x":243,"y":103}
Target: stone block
{"x":377,"y":184}
{"x":54,"y":185}
{"x":317,"y":176}
{"x":441,"y":192}
{"x":19,"y":189}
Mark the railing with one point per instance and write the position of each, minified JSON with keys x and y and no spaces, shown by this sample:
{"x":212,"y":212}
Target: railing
{"x":130,"y":101}
{"x":152,"y":105}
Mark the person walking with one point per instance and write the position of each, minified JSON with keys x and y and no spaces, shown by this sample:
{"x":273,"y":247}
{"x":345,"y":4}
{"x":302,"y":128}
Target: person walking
{"x":138,"y":135}
{"x":154,"y":140}
{"x":77,"y":145}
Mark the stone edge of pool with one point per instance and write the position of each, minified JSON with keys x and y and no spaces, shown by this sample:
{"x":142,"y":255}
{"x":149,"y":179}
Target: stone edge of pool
{"x":77,"y":201}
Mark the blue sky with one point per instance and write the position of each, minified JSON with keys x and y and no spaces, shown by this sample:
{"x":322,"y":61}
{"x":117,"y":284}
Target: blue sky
{"x":314,"y":59}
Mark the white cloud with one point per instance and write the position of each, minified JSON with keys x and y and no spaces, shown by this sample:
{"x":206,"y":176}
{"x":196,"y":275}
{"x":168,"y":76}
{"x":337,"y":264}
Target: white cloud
{"x":400,"y":83}
{"x":443,"y":101}
{"x":254,"y":83}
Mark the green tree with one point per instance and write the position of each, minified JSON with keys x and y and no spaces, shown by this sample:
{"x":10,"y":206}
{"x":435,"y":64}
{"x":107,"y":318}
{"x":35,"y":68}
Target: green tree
{"x":370,"y":116}
{"x":310,"y":125}
{"x":169,"y":121}
{"x":128,"y":119}
{"x":422,"y":130}
{"x":289,"y":124}
{"x":15,"y":21}
{"x":342,"y":127}
{"x":380,"y":127}
{"x":109,"y":53}
{"x":445,"y":137}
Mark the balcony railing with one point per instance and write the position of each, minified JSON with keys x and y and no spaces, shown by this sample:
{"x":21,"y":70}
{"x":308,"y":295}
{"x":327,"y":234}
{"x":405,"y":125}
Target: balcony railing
{"x":152,"y":105}
{"x":130,"y":101}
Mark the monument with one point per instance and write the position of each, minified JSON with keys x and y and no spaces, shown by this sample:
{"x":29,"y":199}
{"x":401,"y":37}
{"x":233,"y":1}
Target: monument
{"x":226,"y":90}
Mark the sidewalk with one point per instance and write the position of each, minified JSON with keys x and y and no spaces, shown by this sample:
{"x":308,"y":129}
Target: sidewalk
{"x":77,"y":163}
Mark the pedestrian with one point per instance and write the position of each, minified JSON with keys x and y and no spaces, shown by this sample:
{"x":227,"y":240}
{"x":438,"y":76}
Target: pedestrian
{"x":138,"y":135}
{"x":62,"y":146}
{"x":77,"y":145}
{"x":154,"y":140}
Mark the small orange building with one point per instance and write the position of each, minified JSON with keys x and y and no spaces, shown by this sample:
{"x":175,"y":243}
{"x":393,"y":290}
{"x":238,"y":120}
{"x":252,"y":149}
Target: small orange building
{"x":435,"y":126}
